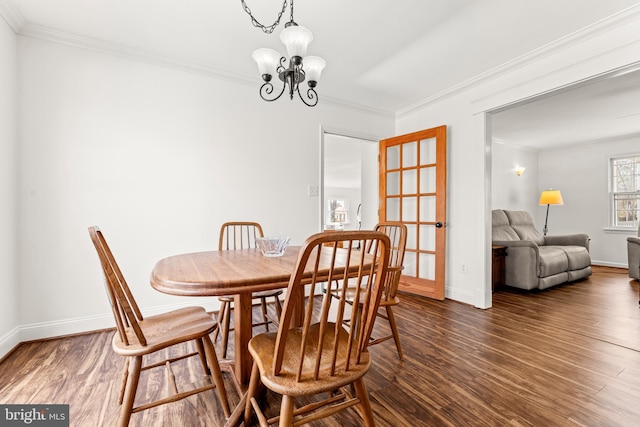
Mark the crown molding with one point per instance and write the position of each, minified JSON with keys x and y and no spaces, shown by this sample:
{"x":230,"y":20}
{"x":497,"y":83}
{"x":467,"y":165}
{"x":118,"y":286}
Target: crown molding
{"x":124,"y":51}
{"x":45,"y":33}
{"x":572,"y":39}
{"x":12,"y":15}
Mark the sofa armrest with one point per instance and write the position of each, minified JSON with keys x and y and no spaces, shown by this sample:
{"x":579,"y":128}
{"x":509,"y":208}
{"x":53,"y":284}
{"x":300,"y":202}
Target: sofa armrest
{"x":521,"y":263}
{"x":635,"y":240}
{"x":580,"y":239}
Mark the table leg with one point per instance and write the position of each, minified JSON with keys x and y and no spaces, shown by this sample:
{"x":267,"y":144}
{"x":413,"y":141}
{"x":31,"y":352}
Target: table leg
{"x":242,"y":334}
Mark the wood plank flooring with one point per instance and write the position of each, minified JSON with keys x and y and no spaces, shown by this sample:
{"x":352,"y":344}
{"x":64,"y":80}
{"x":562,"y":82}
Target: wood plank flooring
{"x":566,"y":356}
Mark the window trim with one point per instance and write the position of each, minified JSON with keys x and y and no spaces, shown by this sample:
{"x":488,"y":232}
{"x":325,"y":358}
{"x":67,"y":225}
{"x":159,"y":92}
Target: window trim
{"x":612,"y":226}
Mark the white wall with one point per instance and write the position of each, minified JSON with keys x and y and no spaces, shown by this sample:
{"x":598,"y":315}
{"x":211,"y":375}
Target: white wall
{"x":510,"y":191}
{"x":610,"y":46}
{"x":8,"y":186}
{"x":585,"y":192}
{"x":157,"y":157}
{"x":370,"y":189}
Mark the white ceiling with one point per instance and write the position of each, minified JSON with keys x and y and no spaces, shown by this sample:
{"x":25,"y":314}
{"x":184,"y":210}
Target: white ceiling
{"x":382,"y":55}
{"x":598,"y":110}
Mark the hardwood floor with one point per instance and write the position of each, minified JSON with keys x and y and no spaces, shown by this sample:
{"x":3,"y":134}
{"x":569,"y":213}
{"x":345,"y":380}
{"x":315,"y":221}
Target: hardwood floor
{"x":565,"y":356}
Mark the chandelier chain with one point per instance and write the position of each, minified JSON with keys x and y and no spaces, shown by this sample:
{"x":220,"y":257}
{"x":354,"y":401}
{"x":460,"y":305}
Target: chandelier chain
{"x":267,"y":29}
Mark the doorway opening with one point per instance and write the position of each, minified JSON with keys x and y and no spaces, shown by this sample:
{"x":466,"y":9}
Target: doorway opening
{"x":349,"y":182}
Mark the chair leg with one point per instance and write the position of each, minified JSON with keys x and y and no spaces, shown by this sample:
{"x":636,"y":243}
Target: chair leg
{"x":365,"y":405}
{"x":219,"y":317}
{"x":394,"y":330}
{"x":286,"y":411}
{"x":278,"y":307}
{"x":130,"y":392}
{"x":123,"y":387}
{"x":216,"y":374}
{"x":251,"y":392}
{"x":265,"y":318}
{"x":201,"y":353}
{"x":226,"y":324}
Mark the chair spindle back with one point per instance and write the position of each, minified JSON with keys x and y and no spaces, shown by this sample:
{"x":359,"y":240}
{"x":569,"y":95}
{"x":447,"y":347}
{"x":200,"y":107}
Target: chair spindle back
{"x":397,"y":233}
{"x":126,"y":312}
{"x":326,"y":258}
{"x":239,"y":235}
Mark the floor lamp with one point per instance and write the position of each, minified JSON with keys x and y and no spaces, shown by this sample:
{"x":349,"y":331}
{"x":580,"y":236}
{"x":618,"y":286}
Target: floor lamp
{"x":550,"y":197}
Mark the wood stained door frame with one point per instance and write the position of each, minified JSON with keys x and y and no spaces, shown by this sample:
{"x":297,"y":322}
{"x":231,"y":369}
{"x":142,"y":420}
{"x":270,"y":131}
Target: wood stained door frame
{"x":420,"y":284}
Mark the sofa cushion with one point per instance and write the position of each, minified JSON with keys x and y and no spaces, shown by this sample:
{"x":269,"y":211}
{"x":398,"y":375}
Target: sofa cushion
{"x":553,"y":260}
{"x":501,"y":230}
{"x":522,"y":223}
{"x":577,"y":256}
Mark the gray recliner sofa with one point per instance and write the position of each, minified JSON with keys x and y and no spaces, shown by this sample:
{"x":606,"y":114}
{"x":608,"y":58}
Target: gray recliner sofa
{"x":633,"y":251}
{"x":535,"y":261}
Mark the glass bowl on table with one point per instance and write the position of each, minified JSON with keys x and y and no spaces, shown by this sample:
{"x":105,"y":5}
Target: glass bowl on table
{"x":272,"y":246}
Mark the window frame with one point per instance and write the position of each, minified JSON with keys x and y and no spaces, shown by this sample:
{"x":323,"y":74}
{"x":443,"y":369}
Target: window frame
{"x":613,"y":209}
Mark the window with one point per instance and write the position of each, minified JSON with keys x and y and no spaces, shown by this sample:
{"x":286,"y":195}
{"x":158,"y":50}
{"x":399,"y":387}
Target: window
{"x":625,"y":191}
{"x":337,"y":213}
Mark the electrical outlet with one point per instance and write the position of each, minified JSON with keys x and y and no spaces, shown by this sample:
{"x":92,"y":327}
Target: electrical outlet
{"x":464,"y":268}
{"x":312,"y":190}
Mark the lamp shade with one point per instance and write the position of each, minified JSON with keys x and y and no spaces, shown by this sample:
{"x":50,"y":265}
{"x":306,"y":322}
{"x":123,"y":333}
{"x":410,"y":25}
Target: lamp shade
{"x":551,"y":197}
{"x":267,"y":60}
{"x":313,"y":66}
{"x":296,"y":39}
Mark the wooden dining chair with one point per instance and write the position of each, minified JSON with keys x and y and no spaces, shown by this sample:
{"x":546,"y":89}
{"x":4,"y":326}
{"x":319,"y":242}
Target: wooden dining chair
{"x":321,"y":355}
{"x":138,"y":337}
{"x":241,"y":235}
{"x":397,"y":233}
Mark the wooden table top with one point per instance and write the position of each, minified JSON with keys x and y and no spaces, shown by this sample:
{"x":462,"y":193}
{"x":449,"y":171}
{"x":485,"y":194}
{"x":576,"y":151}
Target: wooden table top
{"x":218,"y":273}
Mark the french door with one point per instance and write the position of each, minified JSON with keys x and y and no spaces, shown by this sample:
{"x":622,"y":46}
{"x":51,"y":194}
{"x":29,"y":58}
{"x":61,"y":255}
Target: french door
{"x":413,"y":183}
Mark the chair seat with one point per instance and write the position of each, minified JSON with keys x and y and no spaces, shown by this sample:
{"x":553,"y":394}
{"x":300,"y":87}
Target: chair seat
{"x":166,"y":329}
{"x":262,"y":349}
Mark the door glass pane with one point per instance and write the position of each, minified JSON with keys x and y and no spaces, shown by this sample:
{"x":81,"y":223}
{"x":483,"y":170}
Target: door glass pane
{"x":428,"y":180}
{"x":393,"y":209}
{"x":409,"y":181}
{"x":393,"y":157}
{"x":411,"y":236}
{"x":427,"y":266}
{"x":428,"y":237}
{"x":409,"y":154}
{"x":409,"y":208}
{"x":428,"y":151}
{"x":393,"y":183}
{"x":428,"y":208}
{"x":409,"y":264}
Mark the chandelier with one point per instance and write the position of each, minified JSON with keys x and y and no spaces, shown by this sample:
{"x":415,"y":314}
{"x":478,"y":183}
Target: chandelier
{"x":292,"y":71}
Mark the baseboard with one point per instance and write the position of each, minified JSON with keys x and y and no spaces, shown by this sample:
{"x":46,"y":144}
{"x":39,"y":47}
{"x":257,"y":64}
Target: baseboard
{"x":609,"y":264}
{"x":9,"y":341}
{"x":78,"y":325}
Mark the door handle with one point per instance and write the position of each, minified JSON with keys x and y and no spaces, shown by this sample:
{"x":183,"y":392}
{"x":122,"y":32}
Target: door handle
{"x":439,"y":224}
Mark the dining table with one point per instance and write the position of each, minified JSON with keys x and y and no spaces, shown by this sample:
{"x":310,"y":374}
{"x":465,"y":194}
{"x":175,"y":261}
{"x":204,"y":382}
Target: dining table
{"x":240,"y":272}
{"x":237,"y":272}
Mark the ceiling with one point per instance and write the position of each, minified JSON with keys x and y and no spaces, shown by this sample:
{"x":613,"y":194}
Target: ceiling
{"x":387,"y":56}
{"x":598,"y":110}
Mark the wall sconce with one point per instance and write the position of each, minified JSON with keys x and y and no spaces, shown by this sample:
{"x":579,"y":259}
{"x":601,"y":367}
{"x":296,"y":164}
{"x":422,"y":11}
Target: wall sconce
{"x":520,"y":170}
